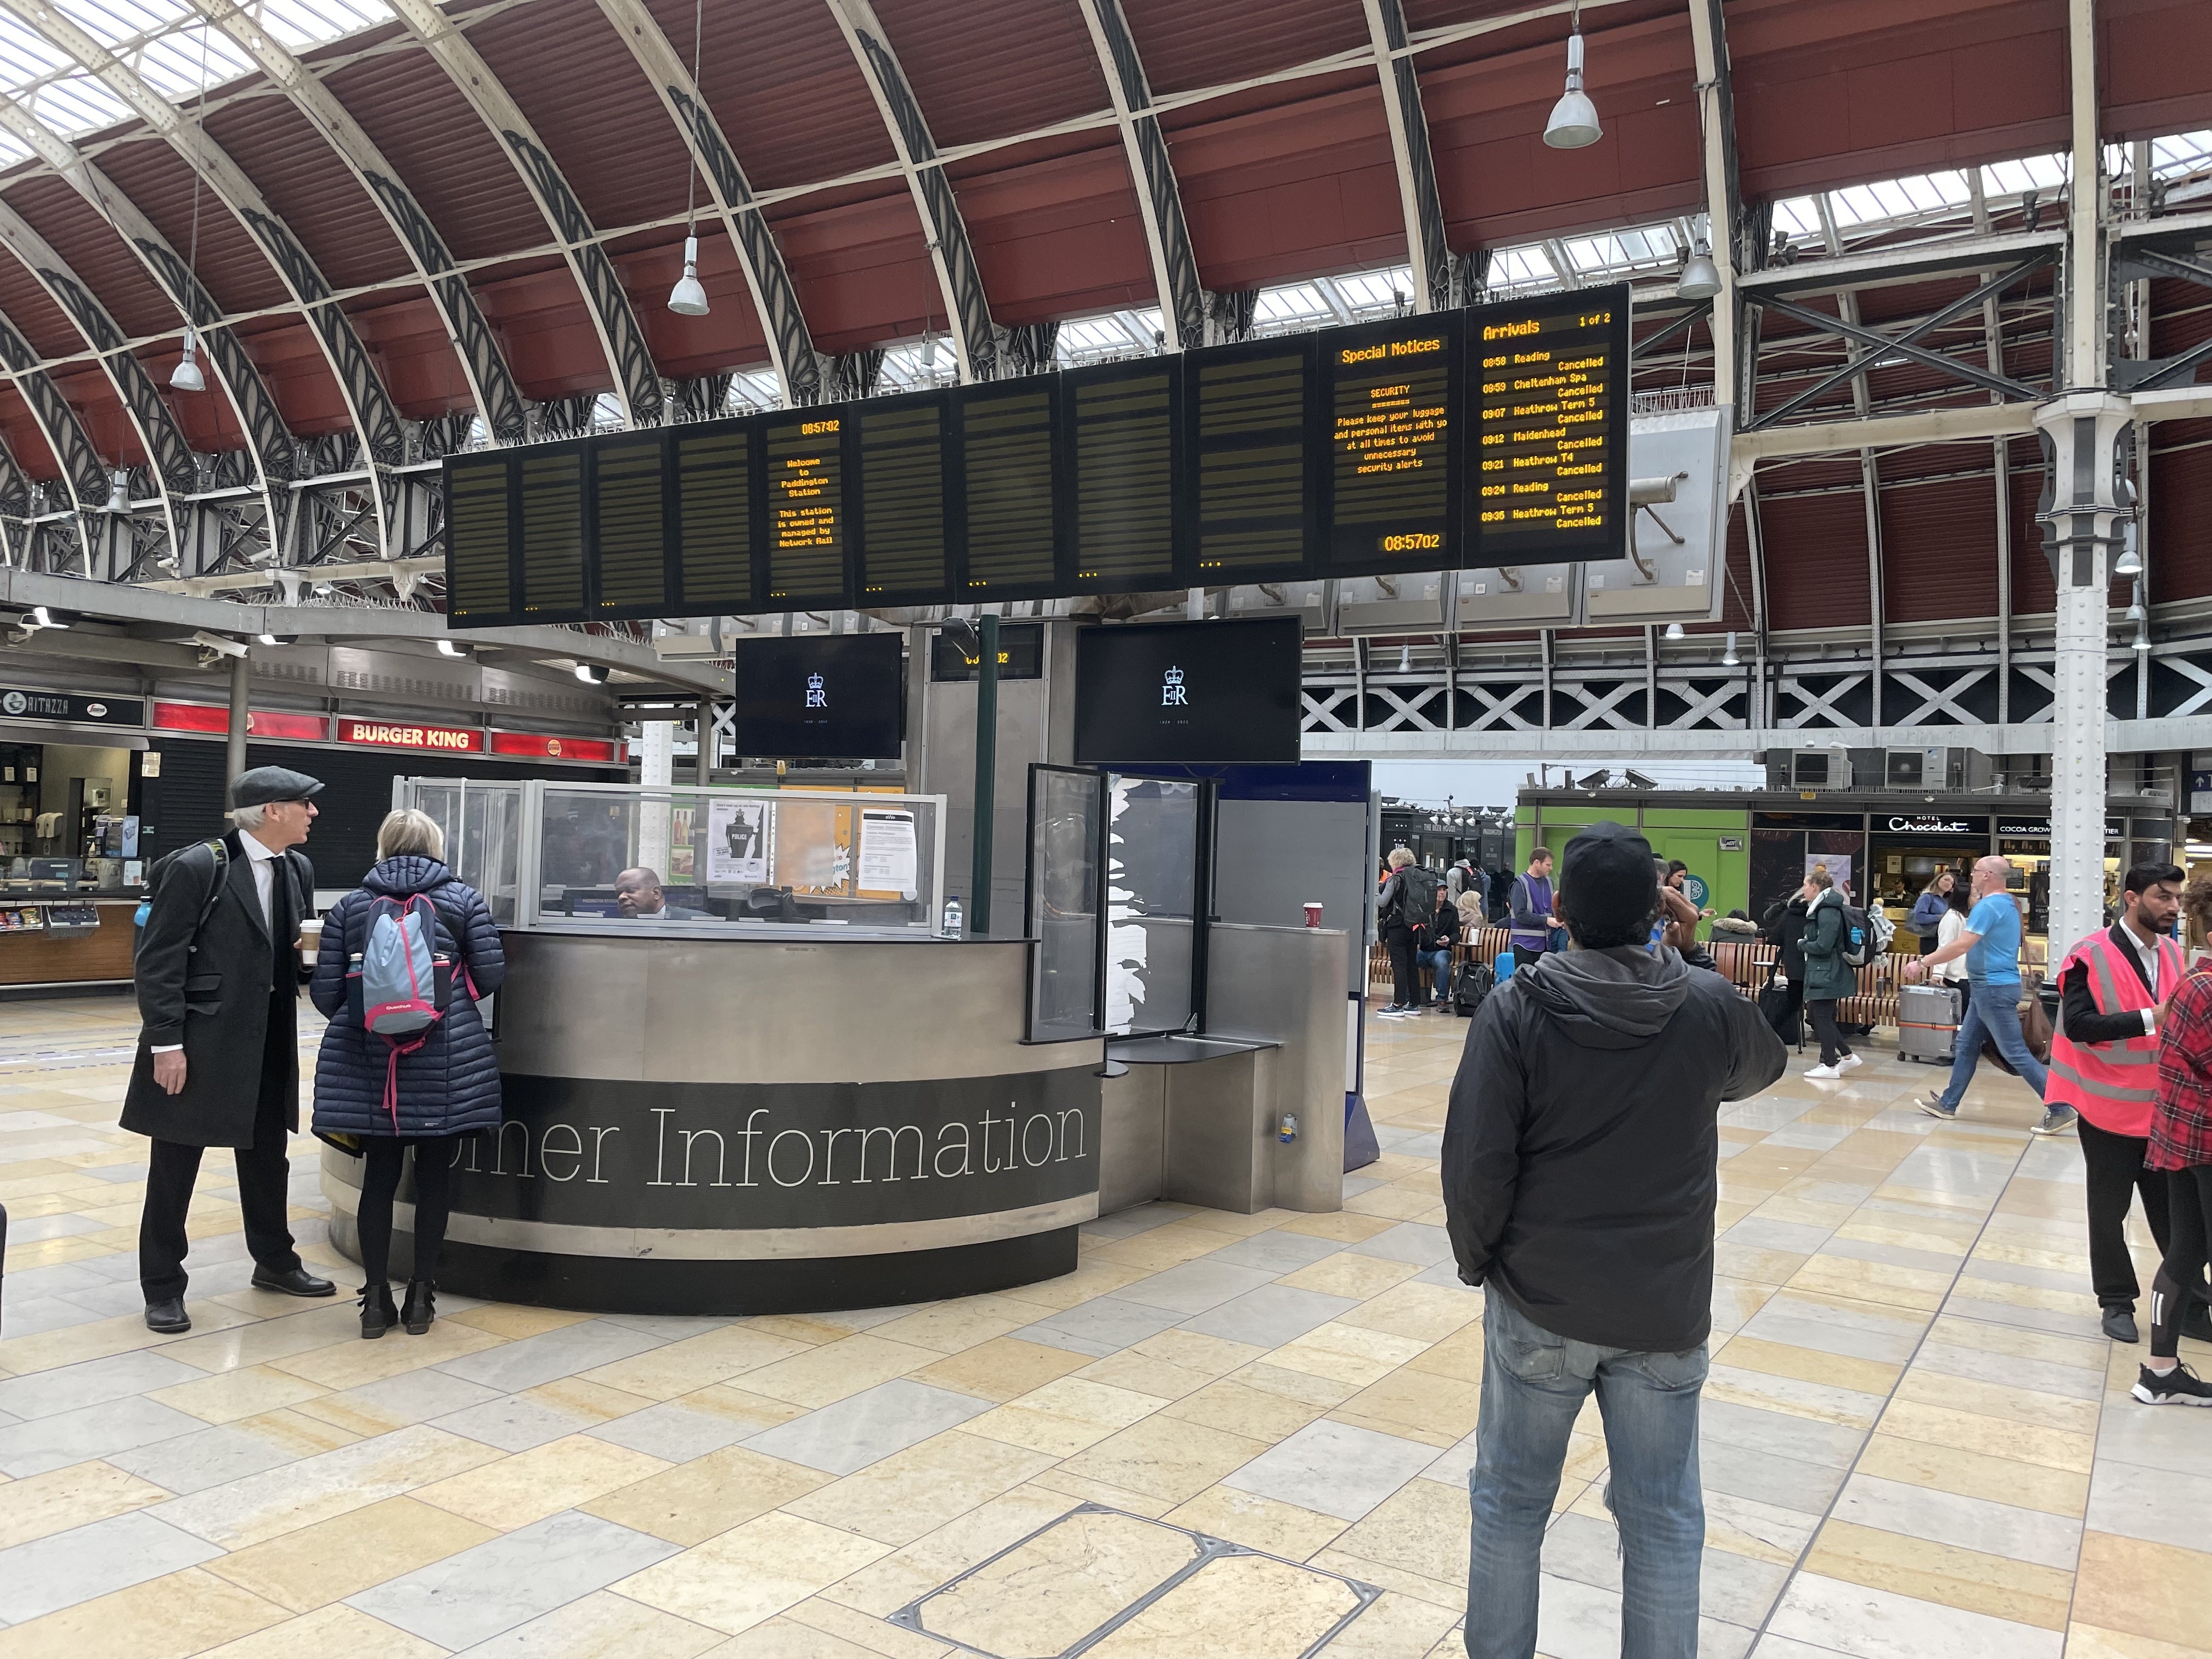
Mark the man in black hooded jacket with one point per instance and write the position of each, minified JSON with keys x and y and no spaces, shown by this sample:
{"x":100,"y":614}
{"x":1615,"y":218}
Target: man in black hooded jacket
{"x":1580,"y":1172}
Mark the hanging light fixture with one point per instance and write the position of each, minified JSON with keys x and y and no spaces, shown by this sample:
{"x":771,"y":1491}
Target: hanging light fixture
{"x":688,"y":298}
{"x":1728,"y":658}
{"x":1574,"y":119}
{"x":591,"y":673}
{"x":186,"y":375}
{"x":1674,"y":631}
{"x":118,"y":491}
{"x":2130,"y":562}
{"x":1701,"y":277}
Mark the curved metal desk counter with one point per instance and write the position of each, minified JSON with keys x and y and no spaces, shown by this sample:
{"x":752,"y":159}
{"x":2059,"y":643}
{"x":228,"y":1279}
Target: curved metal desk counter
{"x":697,"y":1123}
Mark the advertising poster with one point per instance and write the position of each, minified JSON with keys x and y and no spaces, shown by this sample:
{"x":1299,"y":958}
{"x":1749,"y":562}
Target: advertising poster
{"x":1837,"y":864}
{"x":737,"y":841}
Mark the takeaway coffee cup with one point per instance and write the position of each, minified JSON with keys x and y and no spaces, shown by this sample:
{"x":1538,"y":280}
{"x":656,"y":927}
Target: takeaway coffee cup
{"x":1313,"y":913}
{"x":310,"y":936}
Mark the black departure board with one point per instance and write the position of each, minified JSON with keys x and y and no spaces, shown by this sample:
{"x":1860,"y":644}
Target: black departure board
{"x":1550,"y":477}
{"x":1390,"y":443}
{"x":903,"y":544}
{"x":1122,"y":422}
{"x":1459,"y":439}
{"x":553,"y":533}
{"x":1248,"y":418}
{"x":1006,"y":451}
{"x":714,"y":520}
{"x":479,"y":582}
{"x":805,"y":508}
{"x":628,"y":503}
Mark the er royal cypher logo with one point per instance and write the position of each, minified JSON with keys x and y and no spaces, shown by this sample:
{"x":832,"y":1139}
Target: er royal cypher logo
{"x":1171,"y":691}
{"x":816,"y":696}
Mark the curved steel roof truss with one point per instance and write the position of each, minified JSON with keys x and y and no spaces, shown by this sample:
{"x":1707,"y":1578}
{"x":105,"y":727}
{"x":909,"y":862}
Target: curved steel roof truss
{"x":376,"y":422}
{"x":637,"y":381}
{"x":83,"y":479}
{"x":967,"y":311}
{"x":491,"y":383}
{"x":270,"y":453}
{"x":172,"y":468}
{"x":1159,"y":202}
{"x":1426,"y":249}
{"x":773,"y":296}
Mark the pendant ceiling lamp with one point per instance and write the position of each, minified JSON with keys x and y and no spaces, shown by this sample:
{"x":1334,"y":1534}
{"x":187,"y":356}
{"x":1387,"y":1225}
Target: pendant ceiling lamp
{"x":186,"y":375}
{"x":1574,"y":121}
{"x":688,"y":297}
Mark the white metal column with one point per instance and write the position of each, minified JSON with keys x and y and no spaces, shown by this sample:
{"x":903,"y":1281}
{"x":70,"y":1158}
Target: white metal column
{"x":2082,"y":426}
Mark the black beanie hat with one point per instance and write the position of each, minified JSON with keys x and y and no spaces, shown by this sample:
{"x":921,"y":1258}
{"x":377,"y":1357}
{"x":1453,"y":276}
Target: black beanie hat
{"x":1609,"y":880}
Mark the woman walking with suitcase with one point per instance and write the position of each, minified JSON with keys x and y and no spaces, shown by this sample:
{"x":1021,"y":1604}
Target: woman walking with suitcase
{"x":382,"y":1095}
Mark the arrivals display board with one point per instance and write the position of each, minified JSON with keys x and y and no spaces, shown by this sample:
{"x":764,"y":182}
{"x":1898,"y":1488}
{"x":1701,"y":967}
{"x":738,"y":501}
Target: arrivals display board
{"x":1497,"y":435}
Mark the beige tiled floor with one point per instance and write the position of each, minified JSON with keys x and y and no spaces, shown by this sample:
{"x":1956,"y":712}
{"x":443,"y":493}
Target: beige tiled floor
{"x":1916,"y":1442}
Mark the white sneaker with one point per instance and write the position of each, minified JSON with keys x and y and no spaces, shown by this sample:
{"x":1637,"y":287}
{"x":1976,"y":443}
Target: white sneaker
{"x":1847,"y":1062}
{"x":1823,"y":1073}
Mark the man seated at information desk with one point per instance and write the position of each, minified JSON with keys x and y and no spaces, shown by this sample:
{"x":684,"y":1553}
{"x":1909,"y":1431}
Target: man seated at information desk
{"x":637,"y":893}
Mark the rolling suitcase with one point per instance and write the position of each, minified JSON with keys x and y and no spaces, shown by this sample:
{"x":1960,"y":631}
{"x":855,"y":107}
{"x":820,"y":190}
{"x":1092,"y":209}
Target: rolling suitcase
{"x":1927,"y":1023}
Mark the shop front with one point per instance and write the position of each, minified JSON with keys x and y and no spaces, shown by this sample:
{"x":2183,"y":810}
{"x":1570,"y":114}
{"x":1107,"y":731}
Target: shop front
{"x":72,"y":862}
{"x":1909,"y":850}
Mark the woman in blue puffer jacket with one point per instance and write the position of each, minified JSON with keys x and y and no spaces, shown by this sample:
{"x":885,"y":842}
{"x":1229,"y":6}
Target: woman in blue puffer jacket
{"x":446,"y":1089}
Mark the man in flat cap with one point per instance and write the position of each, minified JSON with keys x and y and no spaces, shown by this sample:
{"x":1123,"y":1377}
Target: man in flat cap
{"x":218,"y":982}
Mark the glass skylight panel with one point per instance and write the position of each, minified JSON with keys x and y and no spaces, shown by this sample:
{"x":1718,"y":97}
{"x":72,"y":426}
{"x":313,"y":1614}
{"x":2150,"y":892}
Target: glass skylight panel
{"x":299,"y":26}
{"x":2027,"y":172}
{"x":170,"y":63}
{"x":1290,"y":306}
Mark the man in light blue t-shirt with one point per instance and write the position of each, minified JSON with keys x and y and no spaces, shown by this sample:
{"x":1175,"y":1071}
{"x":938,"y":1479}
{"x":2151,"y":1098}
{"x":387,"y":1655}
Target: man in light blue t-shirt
{"x":1990,"y":944}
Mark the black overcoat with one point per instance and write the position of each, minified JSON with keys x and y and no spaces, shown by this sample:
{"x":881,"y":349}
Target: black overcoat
{"x":216,"y":990}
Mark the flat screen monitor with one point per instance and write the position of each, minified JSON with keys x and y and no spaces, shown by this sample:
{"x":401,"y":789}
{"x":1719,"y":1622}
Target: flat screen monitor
{"x":1198,"y":693}
{"x":839,"y":697}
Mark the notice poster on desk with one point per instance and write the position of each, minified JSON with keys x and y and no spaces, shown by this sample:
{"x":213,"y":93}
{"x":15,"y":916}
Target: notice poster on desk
{"x":888,"y":854}
{"x":737,"y":841}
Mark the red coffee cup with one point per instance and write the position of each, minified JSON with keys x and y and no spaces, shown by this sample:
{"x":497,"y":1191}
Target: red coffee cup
{"x":1313,"y":913}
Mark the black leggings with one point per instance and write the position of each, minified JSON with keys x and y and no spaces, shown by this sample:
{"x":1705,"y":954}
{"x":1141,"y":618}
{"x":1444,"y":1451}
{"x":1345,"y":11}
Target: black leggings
{"x":2189,"y":1203}
{"x":1822,"y":1012}
{"x":379,"y":1180}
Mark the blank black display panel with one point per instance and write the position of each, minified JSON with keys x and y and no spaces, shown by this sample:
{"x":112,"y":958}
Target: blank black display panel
{"x":1198,"y":694}
{"x":628,"y":499}
{"x":1007,"y":446}
{"x":714,"y":520}
{"x":1248,"y":420}
{"x":833,"y":697}
{"x":553,"y":533}
{"x":479,"y":584}
{"x":1123,"y":444}
{"x":902,"y":520}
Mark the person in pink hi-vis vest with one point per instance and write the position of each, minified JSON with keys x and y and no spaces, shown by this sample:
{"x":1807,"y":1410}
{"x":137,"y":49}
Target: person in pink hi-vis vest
{"x":2115,"y":984}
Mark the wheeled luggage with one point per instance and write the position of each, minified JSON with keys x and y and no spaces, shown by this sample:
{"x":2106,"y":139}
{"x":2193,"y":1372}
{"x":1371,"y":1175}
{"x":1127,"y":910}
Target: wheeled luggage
{"x":1927,"y":1023}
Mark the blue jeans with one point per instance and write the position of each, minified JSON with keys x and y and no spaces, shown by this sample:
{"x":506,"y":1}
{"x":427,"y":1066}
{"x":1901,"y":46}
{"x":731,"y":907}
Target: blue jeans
{"x":1437,"y":964}
{"x":1533,"y":1382}
{"x":1994,"y":1009}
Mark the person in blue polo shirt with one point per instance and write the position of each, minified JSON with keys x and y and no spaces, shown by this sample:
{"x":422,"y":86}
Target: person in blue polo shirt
{"x":1991,"y":945}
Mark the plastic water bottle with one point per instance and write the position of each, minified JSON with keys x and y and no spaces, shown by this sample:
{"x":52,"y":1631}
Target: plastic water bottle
{"x":951,"y":925}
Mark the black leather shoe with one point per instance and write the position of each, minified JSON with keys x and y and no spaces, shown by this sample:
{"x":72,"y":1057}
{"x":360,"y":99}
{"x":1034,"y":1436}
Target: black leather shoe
{"x":422,"y":1306}
{"x":292,"y":1281}
{"x":377,"y":1314}
{"x":2120,"y":1325}
{"x":167,"y":1316}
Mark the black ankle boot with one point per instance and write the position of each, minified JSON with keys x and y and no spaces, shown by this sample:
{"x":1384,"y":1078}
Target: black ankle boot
{"x":378,"y":1316}
{"x":422,"y":1306}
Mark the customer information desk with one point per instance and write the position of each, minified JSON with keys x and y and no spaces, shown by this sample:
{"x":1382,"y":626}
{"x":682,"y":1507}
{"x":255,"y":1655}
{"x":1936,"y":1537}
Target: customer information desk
{"x":720,"y":1115}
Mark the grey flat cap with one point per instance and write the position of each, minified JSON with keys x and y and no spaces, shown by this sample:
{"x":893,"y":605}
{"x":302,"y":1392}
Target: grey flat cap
{"x":265,"y":784}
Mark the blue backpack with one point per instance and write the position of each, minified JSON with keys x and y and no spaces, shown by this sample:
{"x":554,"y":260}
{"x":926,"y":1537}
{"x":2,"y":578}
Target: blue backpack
{"x":399,"y":984}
